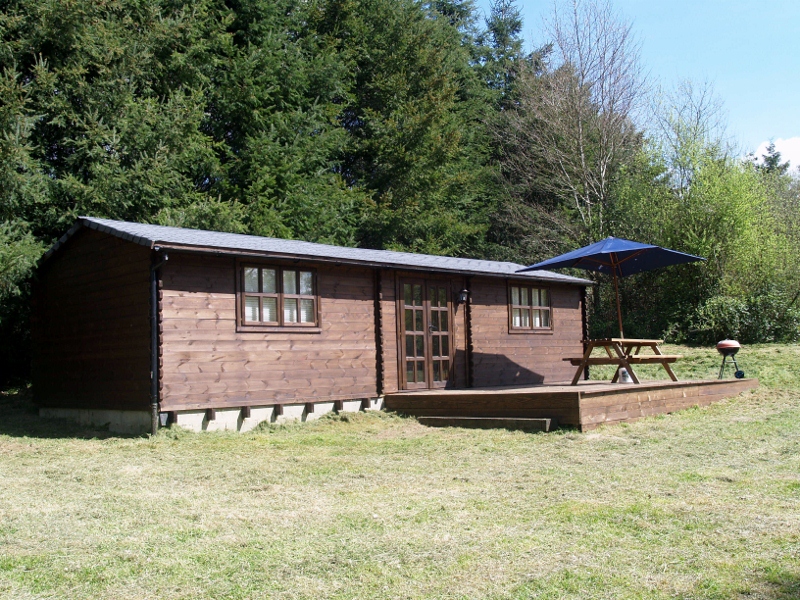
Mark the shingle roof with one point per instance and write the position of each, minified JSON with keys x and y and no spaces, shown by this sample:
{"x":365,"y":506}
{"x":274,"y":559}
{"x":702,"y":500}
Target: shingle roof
{"x":197,"y":239}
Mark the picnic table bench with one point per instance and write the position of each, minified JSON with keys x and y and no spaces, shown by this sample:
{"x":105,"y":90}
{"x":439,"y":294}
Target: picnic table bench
{"x":625,"y":353}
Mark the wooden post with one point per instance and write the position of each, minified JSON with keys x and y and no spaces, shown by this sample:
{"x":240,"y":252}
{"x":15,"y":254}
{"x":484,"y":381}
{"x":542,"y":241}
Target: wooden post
{"x":616,"y":293}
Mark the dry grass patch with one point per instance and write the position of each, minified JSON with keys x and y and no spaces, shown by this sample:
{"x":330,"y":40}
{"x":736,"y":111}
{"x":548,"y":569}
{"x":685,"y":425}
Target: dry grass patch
{"x":700,"y":504}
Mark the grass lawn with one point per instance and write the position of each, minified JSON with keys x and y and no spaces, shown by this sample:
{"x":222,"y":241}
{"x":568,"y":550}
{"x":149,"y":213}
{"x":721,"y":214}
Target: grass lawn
{"x":704,"y":503}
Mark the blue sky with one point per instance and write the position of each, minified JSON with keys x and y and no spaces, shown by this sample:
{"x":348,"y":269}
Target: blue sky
{"x":748,"y":50}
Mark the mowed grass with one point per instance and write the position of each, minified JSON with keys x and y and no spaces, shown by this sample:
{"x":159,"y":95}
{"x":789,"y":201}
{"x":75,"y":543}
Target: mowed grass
{"x":704,"y":503}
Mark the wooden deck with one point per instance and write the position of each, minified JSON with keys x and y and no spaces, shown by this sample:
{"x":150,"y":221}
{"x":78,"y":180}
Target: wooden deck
{"x":584,"y":406}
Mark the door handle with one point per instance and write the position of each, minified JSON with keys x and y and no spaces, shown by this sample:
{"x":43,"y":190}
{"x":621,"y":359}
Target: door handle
{"x":431,"y":328}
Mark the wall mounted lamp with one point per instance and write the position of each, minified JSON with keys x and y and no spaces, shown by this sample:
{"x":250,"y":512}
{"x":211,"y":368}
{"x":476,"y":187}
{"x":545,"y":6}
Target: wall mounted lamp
{"x":463,"y":296}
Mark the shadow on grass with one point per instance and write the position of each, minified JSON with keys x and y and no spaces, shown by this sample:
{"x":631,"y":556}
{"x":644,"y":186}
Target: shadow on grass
{"x":20,"y":418}
{"x":782,"y":584}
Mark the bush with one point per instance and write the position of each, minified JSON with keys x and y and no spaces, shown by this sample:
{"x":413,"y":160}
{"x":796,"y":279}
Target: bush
{"x":768,"y":316}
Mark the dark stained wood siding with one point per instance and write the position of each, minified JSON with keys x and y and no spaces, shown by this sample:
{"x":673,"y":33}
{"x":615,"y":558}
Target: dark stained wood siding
{"x":503,"y":358}
{"x":207,"y":363}
{"x":91,"y":325}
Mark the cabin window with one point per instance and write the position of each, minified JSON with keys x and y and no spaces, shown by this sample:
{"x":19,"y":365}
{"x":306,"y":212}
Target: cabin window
{"x":529,"y":308}
{"x":278,"y":297}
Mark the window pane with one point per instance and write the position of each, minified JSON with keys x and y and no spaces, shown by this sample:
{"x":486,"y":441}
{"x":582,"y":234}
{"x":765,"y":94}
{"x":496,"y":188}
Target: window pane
{"x":420,"y":345}
{"x":442,"y":297}
{"x":420,"y":371}
{"x":523,"y":296}
{"x":290,"y":282}
{"x":409,"y":345}
{"x":537,"y":318}
{"x":516,"y":320}
{"x":436,"y":375}
{"x":270,"y":310}
{"x":409,"y":319}
{"x":545,"y":318}
{"x":435,"y":346}
{"x":407,"y":293}
{"x":250,"y":280}
{"x":418,"y":320}
{"x":307,"y":311}
{"x":445,"y":370}
{"x":445,"y":345}
{"x":269,"y":282}
{"x":417,"y":295}
{"x":251,"y":308}
{"x":410,"y":371}
{"x":443,"y":324}
{"x":525,"y":318}
{"x":543,"y":300}
{"x":290,"y":310}
{"x":306,"y":283}
{"x":514,"y":295}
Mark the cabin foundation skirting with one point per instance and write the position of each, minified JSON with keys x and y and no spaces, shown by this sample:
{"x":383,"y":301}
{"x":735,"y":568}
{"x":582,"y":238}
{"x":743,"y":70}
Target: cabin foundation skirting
{"x":118,"y":421}
{"x":221,"y":419}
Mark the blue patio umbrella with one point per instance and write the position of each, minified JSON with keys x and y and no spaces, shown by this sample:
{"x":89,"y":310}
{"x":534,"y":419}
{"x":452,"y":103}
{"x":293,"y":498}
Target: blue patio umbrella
{"x":619,"y":258}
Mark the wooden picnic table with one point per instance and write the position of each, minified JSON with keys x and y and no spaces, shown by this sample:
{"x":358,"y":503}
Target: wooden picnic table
{"x":624,"y":352}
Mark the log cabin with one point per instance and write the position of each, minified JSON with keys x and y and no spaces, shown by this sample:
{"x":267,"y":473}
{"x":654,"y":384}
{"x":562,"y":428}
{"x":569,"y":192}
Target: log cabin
{"x":137,"y":326}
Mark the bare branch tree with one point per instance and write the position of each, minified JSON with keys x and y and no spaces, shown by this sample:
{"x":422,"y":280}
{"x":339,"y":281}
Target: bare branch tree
{"x":687,"y":122}
{"x":574,"y":124}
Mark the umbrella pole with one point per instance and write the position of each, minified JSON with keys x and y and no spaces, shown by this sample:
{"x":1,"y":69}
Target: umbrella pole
{"x":616,"y":292}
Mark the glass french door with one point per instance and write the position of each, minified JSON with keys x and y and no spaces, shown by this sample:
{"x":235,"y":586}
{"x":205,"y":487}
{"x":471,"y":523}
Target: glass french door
{"x":426,"y":334}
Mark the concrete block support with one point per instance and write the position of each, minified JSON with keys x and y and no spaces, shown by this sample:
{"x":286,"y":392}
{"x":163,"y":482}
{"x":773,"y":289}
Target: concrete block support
{"x":118,"y":421}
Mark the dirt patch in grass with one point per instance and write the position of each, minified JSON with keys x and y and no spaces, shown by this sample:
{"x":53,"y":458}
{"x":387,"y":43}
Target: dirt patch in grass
{"x":704,"y":503}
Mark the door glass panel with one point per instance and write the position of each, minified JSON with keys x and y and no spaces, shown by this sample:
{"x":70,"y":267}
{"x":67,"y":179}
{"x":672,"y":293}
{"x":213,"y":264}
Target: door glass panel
{"x":432,"y":295}
{"x":420,"y":371}
{"x":290,"y":310}
{"x":443,"y":326}
{"x":306,"y":283}
{"x":251,"y":308}
{"x":270,"y":310}
{"x":410,"y":371}
{"x":435,"y":351}
{"x":409,"y":320}
{"x":409,"y":345}
{"x":307,"y":311}
{"x":407,"y":294}
{"x":418,"y":320}
{"x":420,"y":346}
{"x":445,"y":345}
{"x":290,"y":282}
{"x":436,"y":374}
{"x":269,"y":284}
{"x":417,"y":295}
{"x":442,"y":297}
{"x":435,"y":320}
{"x":514,"y":295}
{"x":250,"y":280}
{"x":445,"y":370}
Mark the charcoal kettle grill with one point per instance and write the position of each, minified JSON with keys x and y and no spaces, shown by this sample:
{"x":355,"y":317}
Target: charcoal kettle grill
{"x":728,"y":349}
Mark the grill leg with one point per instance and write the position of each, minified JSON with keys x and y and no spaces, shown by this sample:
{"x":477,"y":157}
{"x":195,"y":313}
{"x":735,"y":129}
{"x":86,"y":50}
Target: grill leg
{"x":722,"y":368}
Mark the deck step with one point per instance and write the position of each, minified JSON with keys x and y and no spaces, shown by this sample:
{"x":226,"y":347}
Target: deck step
{"x":523,"y":424}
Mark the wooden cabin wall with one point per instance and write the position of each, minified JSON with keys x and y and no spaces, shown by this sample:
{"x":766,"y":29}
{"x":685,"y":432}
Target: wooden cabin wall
{"x":208,"y":364}
{"x":90,"y":325}
{"x":503,"y":358}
